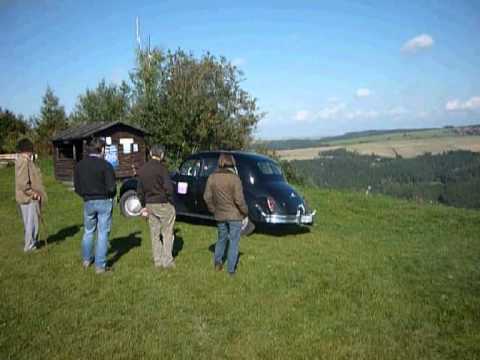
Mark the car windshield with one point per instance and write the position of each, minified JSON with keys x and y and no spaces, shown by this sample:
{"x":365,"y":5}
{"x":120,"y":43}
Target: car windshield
{"x":269,"y":169}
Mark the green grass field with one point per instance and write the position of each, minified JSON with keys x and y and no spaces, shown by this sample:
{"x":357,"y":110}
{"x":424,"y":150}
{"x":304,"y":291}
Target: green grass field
{"x":374,"y":278}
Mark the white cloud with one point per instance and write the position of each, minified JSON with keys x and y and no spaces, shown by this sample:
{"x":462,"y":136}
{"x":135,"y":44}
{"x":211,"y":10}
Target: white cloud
{"x":331,"y":111}
{"x":469,"y":105}
{"x":239,"y":61}
{"x":340,"y":111}
{"x":363,"y":92}
{"x":362,"y":114}
{"x":303,"y":116}
{"x":419,"y":42}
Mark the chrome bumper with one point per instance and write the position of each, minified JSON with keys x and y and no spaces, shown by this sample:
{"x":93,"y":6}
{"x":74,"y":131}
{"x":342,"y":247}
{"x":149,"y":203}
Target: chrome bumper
{"x":300,"y":219}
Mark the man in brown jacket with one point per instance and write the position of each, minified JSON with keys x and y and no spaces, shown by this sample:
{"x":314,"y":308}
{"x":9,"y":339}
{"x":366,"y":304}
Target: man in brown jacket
{"x":155,"y":191}
{"x":29,"y":192}
{"x":224,"y":198}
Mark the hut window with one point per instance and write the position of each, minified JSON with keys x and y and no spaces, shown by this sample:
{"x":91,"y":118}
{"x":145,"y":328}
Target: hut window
{"x":65,"y":151}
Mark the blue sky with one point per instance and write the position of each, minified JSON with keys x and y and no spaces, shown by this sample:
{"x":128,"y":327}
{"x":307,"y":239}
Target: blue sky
{"x":317,"y":68}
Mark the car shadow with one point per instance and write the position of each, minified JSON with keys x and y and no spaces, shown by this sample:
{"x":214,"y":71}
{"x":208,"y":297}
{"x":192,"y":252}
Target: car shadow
{"x":196,"y":221}
{"x":59,"y":236}
{"x":122,"y":245}
{"x":277,"y":230}
{"x":280,"y":230}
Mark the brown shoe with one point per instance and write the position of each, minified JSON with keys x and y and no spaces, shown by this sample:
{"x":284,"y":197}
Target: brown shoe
{"x":218,"y":267}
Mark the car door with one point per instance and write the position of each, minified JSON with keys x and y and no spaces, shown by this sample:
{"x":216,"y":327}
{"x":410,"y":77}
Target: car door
{"x":208,"y":166}
{"x":185,"y":186}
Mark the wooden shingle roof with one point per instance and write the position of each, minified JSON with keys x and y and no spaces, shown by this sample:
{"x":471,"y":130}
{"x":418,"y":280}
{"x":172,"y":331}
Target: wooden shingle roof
{"x":90,"y":129}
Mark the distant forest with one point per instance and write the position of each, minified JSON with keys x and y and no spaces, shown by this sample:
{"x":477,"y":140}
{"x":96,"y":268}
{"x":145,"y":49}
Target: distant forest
{"x":451,"y":178}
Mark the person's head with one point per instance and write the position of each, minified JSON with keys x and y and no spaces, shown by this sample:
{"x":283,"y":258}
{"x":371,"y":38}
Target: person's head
{"x":95,"y":146}
{"x":25,"y":146}
{"x":226,"y":160}
{"x":157,"y":151}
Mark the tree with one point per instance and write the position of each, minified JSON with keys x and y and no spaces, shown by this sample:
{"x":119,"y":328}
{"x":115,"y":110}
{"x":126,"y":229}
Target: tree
{"x":12,"y":128}
{"x":52,"y":119}
{"x":191,"y":104}
{"x":105,"y":103}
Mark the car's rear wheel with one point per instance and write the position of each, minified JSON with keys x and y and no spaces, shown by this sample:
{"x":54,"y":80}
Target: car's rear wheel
{"x":248,"y":227}
{"x":130,"y":205}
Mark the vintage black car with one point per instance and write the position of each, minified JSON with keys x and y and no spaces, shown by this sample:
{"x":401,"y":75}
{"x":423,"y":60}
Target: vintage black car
{"x":269,"y":197}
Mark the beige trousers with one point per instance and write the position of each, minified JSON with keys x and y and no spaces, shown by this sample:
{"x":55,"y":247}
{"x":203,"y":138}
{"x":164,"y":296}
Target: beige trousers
{"x":161,"y":219}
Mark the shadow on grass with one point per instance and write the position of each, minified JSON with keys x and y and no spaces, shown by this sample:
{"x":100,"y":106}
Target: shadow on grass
{"x":122,"y":245}
{"x":177,"y":244}
{"x":59,"y":236}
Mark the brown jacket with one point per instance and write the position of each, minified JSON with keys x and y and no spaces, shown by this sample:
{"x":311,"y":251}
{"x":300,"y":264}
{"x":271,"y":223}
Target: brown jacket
{"x":154,"y":185}
{"x":224,"y":196}
{"x":28,"y":179}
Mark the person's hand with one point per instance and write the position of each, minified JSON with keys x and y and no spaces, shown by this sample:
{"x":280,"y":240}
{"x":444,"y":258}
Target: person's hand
{"x":144,"y":212}
{"x":36,"y":196}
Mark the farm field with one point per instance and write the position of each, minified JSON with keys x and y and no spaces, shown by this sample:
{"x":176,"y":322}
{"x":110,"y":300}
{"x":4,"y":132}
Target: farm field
{"x":374,"y":278}
{"x":407,"y":147}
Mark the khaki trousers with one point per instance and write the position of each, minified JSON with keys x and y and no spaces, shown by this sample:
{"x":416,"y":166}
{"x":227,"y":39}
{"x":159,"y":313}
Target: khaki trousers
{"x":161,"y":220}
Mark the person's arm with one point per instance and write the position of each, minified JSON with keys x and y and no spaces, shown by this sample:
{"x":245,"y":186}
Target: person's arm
{"x":110,"y":181}
{"x":239,"y":198}
{"x":22,"y":183}
{"x":140,"y":192}
{"x":208,"y":195}
{"x":76,"y":181}
{"x":167,"y":184}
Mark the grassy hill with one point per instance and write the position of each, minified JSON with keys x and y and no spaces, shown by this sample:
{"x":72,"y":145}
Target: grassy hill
{"x":407,"y":143}
{"x":374,"y":278}
{"x":359,"y":137}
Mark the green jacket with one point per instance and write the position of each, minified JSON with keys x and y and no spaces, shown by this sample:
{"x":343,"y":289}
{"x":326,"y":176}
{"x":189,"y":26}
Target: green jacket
{"x":224,"y":196}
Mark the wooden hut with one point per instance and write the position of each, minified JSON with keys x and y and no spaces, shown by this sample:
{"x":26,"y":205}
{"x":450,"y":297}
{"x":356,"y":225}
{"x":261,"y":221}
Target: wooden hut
{"x":125,"y":148}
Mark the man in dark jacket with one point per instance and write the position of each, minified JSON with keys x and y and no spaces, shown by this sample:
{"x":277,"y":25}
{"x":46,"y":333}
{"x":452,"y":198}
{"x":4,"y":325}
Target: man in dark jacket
{"x":224,"y":198}
{"x":94,"y":181}
{"x":155,"y":191}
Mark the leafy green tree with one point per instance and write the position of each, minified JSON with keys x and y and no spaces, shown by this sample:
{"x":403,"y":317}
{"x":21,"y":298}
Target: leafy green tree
{"x":192,"y":104}
{"x":12,"y":128}
{"x":52,"y":119}
{"x":105,"y":103}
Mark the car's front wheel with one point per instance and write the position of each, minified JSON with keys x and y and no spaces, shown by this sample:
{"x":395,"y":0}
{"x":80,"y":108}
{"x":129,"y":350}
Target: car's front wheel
{"x":130,"y":205}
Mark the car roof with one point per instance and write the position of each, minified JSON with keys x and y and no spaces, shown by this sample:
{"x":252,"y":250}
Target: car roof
{"x":244,"y":155}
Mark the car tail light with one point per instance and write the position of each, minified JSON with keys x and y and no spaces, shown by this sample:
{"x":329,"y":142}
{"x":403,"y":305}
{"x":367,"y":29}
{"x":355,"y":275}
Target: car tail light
{"x":271,"y":204}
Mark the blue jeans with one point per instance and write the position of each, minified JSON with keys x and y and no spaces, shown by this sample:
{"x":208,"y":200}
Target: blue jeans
{"x":228,"y":230}
{"x":97,"y":215}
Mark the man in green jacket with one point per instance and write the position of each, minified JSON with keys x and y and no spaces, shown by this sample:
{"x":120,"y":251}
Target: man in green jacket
{"x":224,"y":198}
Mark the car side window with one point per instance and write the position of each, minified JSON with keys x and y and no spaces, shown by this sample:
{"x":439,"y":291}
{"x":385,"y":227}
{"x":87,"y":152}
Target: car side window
{"x":190,"y":167}
{"x":209,"y":166}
